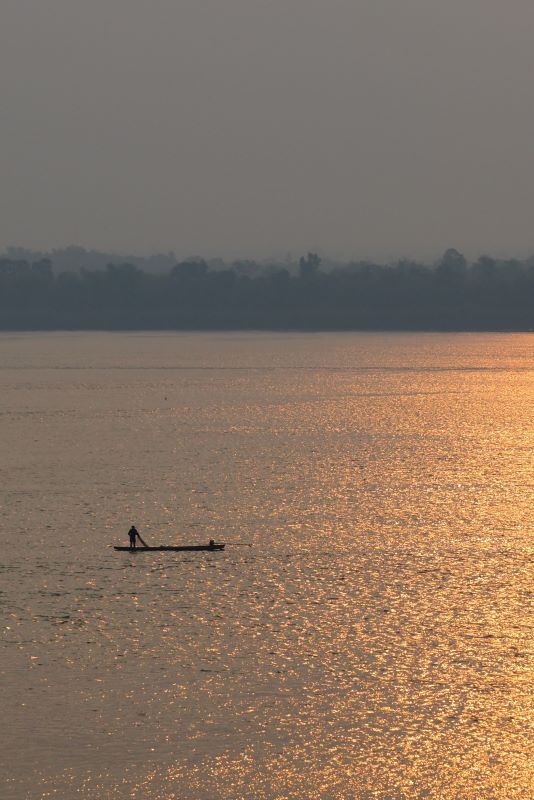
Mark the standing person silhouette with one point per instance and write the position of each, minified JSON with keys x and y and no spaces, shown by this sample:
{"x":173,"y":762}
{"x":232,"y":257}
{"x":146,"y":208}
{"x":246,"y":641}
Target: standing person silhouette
{"x":133,"y":533}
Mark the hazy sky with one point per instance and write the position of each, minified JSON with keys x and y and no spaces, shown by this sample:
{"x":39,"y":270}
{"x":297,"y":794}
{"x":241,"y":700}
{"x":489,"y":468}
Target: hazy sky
{"x":260,"y":127}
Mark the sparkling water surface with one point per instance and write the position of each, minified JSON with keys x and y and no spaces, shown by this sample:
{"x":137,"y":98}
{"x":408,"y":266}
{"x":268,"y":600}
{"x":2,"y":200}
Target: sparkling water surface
{"x":374,"y":641}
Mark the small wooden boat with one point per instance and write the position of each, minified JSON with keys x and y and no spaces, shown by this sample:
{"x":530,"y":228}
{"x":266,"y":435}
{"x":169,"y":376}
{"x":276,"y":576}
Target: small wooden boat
{"x":187,"y":548}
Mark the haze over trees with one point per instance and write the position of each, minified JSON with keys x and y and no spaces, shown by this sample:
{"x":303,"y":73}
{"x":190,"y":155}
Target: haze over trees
{"x":47,"y":291}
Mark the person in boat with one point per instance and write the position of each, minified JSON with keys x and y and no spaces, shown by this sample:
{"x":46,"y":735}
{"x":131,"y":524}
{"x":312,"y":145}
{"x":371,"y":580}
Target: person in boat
{"x":133,"y":533}
{"x":212,"y":542}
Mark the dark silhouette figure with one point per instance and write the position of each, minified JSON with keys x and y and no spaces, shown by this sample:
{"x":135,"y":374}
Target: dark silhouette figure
{"x":133,"y":533}
{"x":212,"y":542}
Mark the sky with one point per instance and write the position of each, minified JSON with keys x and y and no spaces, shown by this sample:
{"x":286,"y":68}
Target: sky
{"x":255,"y":128}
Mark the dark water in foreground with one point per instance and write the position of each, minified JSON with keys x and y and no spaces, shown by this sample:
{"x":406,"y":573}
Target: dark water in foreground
{"x":376,"y":639}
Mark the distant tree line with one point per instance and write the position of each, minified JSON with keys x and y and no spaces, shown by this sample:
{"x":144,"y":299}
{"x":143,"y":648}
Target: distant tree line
{"x":489,"y":294}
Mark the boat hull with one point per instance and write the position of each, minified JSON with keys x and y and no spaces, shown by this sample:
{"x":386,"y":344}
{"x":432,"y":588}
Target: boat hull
{"x":190,"y":548}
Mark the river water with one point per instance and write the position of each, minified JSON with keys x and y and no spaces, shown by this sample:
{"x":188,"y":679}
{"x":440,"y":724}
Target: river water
{"x":375,"y":638}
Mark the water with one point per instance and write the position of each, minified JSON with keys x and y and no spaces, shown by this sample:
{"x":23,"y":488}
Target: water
{"x":375,"y":641}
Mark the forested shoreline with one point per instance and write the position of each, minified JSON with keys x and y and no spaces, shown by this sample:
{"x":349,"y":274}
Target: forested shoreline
{"x":488,"y":294}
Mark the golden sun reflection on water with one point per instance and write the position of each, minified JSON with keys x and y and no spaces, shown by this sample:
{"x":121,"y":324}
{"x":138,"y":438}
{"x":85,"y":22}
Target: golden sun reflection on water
{"x":376,"y":639}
